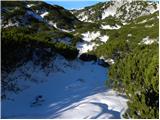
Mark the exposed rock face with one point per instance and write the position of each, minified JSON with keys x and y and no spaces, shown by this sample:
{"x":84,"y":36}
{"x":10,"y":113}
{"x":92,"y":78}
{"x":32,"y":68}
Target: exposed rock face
{"x":87,"y":57}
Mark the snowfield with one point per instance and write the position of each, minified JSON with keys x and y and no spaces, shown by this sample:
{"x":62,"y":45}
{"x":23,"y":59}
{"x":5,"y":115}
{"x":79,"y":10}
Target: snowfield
{"x":63,"y":89}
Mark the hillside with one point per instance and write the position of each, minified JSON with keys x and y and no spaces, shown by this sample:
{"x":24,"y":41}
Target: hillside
{"x":97,"y":62}
{"x":124,"y":10}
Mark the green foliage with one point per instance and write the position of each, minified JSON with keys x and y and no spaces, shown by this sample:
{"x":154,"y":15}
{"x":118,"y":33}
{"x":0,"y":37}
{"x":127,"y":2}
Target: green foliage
{"x":57,"y":14}
{"x":120,"y":44}
{"x":110,"y":21}
{"x":20,"y":43}
{"x":135,"y":71}
{"x":137,"y":76}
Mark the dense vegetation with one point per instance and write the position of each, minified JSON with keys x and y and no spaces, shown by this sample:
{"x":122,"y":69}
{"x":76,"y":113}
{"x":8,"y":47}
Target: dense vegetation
{"x":135,"y":72}
{"x":17,"y":42}
{"x":137,"y":76}
{"x":123,"y":41}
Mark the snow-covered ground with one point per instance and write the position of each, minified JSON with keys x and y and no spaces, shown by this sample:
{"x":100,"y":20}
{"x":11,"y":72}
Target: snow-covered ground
{"x":148,"y":41}
{"x":89,"y":43}
{"x":110,"y":27}
{"x":89,"y":36}
{"x":65,"y":40}
{"x":55,"y":25}
{"x":30,"y":5}
{"x":104,"y":38}
{"x":84,"y":47}
{"x":44,"y":14}
{"x":64,"y":89}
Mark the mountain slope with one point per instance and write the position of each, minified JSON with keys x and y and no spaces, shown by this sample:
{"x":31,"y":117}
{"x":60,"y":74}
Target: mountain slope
{"x":123,"y":10}
{"x":58,"y":65}
{"x":62,"y":92}
{"x":32,"y":12}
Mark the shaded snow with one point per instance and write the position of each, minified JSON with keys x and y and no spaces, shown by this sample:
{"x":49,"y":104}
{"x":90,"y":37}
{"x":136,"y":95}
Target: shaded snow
{"x":65,"y":40}
{"x":68,"y":89}
{"x":31,"y":13}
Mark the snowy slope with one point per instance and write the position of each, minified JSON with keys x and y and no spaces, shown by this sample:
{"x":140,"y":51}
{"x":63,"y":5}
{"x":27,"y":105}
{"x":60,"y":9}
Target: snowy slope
{"x":68,"y":89}
{"x":124,"y":10}
{"x":89,"y":41}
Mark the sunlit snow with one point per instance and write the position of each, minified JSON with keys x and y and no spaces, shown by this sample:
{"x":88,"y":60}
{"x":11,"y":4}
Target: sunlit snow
{"x":44,"y":14}
{"x":110,"y":27}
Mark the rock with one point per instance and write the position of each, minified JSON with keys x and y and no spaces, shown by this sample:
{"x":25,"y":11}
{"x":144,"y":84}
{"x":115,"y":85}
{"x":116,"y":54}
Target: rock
{"x":87,"y":57}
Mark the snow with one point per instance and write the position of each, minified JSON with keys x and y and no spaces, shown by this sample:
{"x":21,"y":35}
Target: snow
{"x":10,"y":24}
{"x":68,"y":89}
{"x":144,"y":21}
{"x":151,"y":8}
{"x":110,"y":27}
{"x":44,"y":14}
{"x":124,"y":23}
{"x":112,"y":9}
{"x":104,"y":38}
{"x":31,"y":13}
{"x":55,"y":25}
{"x":82,"y":17}
{"x":147,"y":41}
{"x":89,"y":36}
{"x":108,"y":60}
{"x":129,"y":35}
{"x":66,"y":40}
{"x":84,"y":47}
{"x":88,"y":43}
{"x":30,"y":5}
{"x":149,"y":26}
